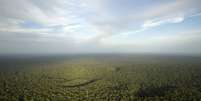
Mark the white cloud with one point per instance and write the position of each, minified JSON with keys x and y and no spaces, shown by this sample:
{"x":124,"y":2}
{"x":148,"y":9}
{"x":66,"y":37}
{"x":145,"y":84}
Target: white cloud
{"x":154,"y":23}
{"x":182,"y":42}
{"x":88,"y":24}
{"x":107,"y":21}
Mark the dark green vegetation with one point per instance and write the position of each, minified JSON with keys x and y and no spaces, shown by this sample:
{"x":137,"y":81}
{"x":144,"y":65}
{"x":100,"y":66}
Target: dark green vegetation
{"x":101,"y":78}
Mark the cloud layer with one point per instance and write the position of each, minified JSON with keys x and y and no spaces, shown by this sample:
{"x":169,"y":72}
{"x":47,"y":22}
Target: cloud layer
{"x":96,"y":26}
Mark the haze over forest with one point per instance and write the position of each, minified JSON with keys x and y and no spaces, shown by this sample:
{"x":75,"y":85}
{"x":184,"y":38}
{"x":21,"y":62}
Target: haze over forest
{"x":100,"y":26}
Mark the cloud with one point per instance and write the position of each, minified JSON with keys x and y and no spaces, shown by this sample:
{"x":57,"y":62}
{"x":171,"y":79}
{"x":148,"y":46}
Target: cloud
{"x":86,"y":25}
{"x":179,"y":42}
{"x":154,"y":23}
{"x":111,"y":20}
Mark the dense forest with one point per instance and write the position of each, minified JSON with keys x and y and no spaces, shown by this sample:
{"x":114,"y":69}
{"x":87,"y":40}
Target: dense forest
{"x":101,"y":78}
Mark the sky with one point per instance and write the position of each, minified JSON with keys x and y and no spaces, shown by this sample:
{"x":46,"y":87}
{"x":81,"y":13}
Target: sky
{"x":100,"y":26}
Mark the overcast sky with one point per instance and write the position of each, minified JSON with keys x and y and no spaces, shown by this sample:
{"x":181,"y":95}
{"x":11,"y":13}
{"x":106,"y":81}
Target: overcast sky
{"x":100,"y":26}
